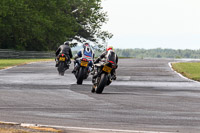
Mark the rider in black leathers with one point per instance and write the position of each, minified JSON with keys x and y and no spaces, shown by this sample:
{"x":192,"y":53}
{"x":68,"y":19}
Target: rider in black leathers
{"x":64,"y":49}
{"x":104,"y":56}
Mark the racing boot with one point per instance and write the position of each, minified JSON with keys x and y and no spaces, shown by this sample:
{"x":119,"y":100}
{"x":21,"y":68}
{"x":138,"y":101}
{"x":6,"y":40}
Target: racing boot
{"x":89,"y":69}
{"x":75,"y":68}
{"x":67,"y":67}
{"x":114,"y":77}
{"x":56,"y":59}
{"x":93,"y":71}
{"x":93,"y":88}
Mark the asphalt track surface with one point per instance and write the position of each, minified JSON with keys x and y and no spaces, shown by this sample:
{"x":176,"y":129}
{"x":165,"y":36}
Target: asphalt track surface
{"x":147,"y":96}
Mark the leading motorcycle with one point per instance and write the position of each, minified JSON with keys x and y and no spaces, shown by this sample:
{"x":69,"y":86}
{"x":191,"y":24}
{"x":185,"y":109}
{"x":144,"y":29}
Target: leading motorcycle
{"x":63,"y":64}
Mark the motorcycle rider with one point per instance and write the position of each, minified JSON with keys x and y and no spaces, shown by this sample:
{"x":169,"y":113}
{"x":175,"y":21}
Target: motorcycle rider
{"x":64,"y":49}
{"x":105,"y":55}
{"x":108,"y":54}
{"x":87,"y":52}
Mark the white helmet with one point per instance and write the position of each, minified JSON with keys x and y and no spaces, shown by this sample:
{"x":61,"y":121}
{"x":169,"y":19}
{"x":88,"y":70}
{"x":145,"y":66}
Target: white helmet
{"x":109,"y":48}
{"x":86,"y":47}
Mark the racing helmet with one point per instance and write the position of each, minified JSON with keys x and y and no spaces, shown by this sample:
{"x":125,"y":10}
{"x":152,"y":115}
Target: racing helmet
{"x":109,"y":48}
{"x":66,"y":43}
{"x":86,"y":47}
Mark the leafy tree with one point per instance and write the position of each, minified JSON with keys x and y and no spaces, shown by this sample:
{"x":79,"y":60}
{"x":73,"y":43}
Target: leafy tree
{"x":45,"y":24}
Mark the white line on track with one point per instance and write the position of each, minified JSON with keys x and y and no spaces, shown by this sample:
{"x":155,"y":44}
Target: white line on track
{"x":102,"y":130}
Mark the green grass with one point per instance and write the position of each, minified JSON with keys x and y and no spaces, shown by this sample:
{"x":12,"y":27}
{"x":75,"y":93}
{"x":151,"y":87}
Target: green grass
{"x":4,"y":63}
{"x":190,"y":69}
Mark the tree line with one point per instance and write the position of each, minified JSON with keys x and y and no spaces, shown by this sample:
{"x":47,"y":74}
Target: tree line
{"x":42,"y":25}
{"x":158,"y":53}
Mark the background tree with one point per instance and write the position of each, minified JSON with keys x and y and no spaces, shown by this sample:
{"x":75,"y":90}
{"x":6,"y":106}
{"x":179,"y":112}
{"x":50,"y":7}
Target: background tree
{"x":45,"y":24}
{"x":158,"y":53}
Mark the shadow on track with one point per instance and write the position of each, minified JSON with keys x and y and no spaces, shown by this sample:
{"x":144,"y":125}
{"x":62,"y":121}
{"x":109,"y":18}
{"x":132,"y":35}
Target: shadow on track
{"x":117,"y":93}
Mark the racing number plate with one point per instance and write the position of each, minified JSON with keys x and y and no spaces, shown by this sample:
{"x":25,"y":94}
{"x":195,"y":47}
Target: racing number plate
{"x":62,"y":59}
{"x":84,"y":63}
{"x":107,"y":69}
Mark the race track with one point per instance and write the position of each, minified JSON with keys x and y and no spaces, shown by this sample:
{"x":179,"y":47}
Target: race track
{"x":147,"y":96}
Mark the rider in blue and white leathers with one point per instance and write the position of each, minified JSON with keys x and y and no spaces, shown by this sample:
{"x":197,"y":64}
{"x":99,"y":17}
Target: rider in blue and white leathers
{"x":85,"y":52}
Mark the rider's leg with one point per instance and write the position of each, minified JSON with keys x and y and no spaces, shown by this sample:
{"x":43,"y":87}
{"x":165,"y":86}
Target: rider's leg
{"x":113,"y":74}
{"x":75,"y":66}
{"x":94,"y":84}
{"x":90,"y":66}
{"x":68,"y":61}
{"x":56,"y":59}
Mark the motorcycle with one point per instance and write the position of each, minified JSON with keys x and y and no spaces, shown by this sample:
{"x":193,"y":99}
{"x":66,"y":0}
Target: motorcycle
{"x":63,"y":64}
{"x":83,"y":70}
{"x":103,"y":75}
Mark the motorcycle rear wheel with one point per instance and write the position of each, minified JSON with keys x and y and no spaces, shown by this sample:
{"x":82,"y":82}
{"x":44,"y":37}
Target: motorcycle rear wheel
{"x":61,"y":68}
{"x":80,"y":75}
{"x":102,"y":83}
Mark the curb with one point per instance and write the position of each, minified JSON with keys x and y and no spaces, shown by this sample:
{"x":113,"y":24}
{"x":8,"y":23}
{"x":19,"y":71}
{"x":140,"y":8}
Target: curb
{"x":36,"y":127}
{"x":10,"y":123}
{"x":22,"y":64}
{"x":82,"y":129}
{"x":20,"y":124}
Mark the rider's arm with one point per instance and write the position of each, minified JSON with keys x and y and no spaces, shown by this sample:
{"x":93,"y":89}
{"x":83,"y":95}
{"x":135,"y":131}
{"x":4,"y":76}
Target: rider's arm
{"x":103,"y":55}
{"x":79,"y":54}
{"x":57,"y":51}
{"x":100,"y":57}
{"x":93,"y":56}
{"x":116,"y":59}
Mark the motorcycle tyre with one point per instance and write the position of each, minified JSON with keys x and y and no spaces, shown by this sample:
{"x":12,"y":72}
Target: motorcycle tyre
{"x":102,"y":83}
{"x":80,"y":76}
{"x":61,"y":68}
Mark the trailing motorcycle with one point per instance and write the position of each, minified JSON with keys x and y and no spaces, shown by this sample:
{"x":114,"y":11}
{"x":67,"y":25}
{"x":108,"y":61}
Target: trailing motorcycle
{"x":83,"y":69}
{"x":103,"y":76}
{"x":63,"y":63}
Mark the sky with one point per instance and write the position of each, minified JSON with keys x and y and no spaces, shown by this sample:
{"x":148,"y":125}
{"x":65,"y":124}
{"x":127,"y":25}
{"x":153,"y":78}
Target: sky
{"x":153,"y":23}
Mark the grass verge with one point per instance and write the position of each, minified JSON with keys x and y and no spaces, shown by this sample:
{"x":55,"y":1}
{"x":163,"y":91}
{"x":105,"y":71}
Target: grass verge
{"x":5,"y":130}
{"x":5,"y":63}
{"x":29,"y":130}
{"x":190,"y":70}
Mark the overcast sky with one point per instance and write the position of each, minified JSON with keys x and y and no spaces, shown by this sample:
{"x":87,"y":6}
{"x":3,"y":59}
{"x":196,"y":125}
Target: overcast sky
{"x":153,"y":23}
